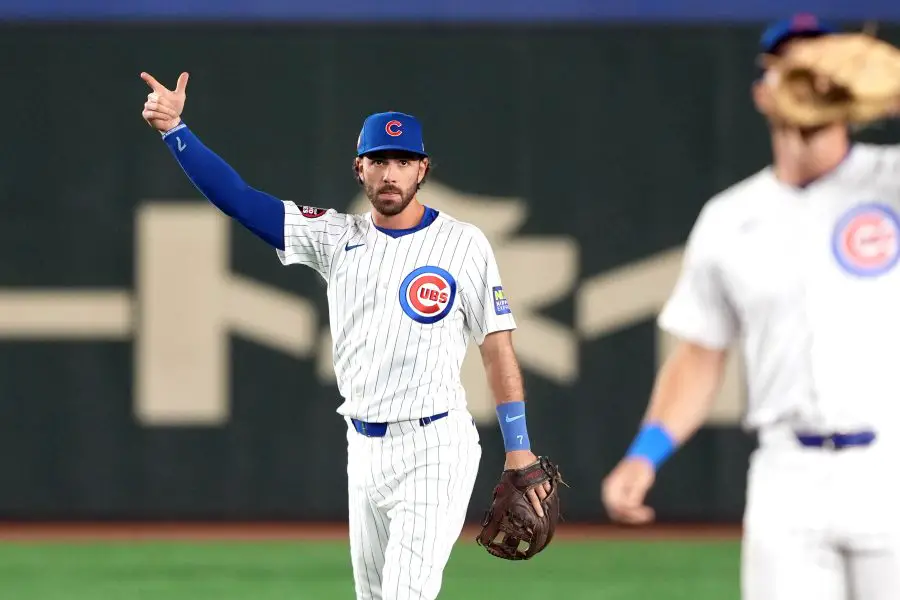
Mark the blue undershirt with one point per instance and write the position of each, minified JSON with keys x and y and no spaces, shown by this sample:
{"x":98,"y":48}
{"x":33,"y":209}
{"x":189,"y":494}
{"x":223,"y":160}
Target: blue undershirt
{"x":427,"y":219}
{"x":261,"y":213}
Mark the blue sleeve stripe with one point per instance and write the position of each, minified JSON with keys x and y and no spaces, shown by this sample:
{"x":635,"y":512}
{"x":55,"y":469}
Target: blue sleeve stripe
{"x":258,"y":211}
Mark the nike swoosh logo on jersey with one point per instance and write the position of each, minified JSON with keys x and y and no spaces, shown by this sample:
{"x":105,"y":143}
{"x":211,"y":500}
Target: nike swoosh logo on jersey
{"x":348,"y":247}
{"x":510,"y":420}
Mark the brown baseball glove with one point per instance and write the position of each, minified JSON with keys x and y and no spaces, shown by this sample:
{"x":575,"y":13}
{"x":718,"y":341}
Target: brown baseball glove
{"x":852,"y":78}
{"x":511,"y":528}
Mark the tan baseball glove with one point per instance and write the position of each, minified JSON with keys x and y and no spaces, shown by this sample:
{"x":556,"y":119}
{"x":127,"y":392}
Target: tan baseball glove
{"x":844,"y":77}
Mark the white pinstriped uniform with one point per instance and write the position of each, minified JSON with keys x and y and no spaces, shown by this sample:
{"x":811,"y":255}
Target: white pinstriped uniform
{"x":807,"y":282}
{"x":401,"y":311}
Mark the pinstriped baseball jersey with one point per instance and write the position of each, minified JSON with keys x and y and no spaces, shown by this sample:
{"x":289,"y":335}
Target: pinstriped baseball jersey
{"x":807,"y":280}
{"x":401,"y":307}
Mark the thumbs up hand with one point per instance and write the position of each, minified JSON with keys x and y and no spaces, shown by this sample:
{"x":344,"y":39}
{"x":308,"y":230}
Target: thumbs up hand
{"x":163,"y":107}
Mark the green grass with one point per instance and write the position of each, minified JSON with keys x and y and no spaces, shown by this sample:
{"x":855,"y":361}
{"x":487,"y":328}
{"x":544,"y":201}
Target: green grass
{"x":321,"y":571}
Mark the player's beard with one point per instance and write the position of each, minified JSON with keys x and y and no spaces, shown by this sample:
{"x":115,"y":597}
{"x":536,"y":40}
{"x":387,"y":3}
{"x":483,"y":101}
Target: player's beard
{"x":390,"y":206}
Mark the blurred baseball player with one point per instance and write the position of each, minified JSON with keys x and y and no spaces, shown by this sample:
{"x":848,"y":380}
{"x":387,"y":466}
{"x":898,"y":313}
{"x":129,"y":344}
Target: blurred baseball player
{"x":797,"y":263}
{"x":407,"y":286}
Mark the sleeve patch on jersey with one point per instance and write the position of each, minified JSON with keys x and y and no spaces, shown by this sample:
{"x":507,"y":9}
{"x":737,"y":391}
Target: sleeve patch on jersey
{"x":312,"y":212}
{"x":501,"y":302}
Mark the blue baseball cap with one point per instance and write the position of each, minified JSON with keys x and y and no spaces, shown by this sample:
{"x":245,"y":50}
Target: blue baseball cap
{"x":390,"y":131}
{"x":799,"y":25}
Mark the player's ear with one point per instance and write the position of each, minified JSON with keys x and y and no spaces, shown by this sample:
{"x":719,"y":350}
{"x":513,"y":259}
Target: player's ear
{"x":357,"y":168}
{"x":424,"y":165}
{"x":761,"y":96}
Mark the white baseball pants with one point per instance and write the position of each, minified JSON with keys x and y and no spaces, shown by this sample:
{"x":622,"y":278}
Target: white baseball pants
{"x":822,"y":524}
{"x":408,"y":496}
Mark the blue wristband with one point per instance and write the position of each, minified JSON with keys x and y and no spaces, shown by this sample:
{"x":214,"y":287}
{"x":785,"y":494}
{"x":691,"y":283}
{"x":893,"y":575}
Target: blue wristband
{"x":653,"y":443}
{"x":511,"y":416}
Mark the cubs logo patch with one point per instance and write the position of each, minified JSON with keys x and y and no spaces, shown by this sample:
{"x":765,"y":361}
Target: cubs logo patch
{"x":427,"y":294}
{"x":501,"y":302}
{"x":393,"y":128}
{"x":312,"y":212}
{"x":865,"y":240}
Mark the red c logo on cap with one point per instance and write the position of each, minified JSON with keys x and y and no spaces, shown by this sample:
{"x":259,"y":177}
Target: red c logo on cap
{"x":392,"y":128}
{"x":804,"y":21}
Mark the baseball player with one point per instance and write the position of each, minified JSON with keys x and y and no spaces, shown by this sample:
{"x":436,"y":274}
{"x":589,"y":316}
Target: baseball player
{"x":407,"y":286}
{"x":798,"y":264}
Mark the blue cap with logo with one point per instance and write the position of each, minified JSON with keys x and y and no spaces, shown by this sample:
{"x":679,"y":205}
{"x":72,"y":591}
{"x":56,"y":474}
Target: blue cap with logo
{"x":390,"y":131}
{"x":799,"y":25}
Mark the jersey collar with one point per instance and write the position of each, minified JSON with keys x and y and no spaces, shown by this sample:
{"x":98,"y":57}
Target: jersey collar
{"x":427,"y":219}
{"x":846,"y":164}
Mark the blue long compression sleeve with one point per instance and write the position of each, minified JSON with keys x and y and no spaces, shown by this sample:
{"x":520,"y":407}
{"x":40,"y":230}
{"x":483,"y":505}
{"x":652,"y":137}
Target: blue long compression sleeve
{"x":258,"y":211}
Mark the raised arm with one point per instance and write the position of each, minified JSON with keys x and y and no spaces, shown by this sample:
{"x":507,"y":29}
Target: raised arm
{"x":258,"y":211}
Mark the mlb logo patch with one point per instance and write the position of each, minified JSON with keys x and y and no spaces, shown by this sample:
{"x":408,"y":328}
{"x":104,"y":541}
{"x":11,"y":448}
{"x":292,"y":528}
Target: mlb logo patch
{"x":501,"y":302}
{"x":312,"y":212}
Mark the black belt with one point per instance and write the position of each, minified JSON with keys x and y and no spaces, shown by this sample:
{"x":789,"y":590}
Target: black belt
{"x":837,"y":441}
{"x":379,"y":429}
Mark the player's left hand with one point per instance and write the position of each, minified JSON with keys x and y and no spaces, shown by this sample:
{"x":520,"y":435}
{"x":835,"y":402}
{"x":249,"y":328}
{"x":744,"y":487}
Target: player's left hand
{"x":519,"y":459}
{"x":514,"y":528}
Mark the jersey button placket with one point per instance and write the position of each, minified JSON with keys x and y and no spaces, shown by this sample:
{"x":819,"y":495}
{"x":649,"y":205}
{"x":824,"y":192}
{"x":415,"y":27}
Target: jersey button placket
{"x":387,"y":267}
